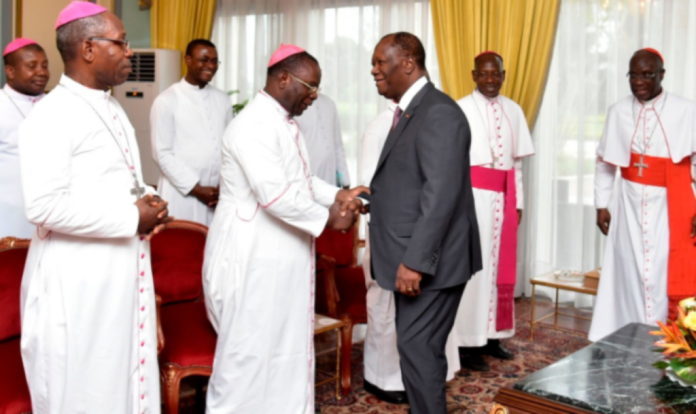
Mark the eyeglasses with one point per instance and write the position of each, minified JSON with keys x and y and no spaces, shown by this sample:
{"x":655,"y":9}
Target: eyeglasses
{"x":206,"y":60}
{"x":484,"y":75}
{"x":125,"y":44}
{"x":312,"y":89}
{"x":641,"y":76}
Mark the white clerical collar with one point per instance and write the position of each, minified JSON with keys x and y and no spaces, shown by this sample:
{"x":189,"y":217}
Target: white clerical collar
{"x":486,"y":99}
{"x":651,"y":103}
{"x":191,"y":86}
{"x":272,"y":101}
{"x":18,"y":96}
{"x":96,"y":95}
{"x":412,"y":92}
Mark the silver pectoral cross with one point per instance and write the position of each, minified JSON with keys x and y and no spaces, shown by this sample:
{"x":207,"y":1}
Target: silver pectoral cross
{"x":137,"y":190}
{"x":640,"y":165}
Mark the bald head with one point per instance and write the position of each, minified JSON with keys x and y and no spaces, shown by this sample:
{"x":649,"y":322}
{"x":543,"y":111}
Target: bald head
{"x":409,"y":45}
{"x":649,"y":56}
{"x":488,"y":74}
{"x":95,"y":50}
{"x":645,"y":75}
{"x":488,"y":58}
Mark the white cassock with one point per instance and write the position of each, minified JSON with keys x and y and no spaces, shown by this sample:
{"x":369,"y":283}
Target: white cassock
{"x":89,"y":321}
{"x":633,"y":283}
{"x":381,"y":356}
{"x":258,"y":273}
{"x":322,"y":133}
{"x":500,"y":138}
{"x":187,"y":125}
{"x":14,"y":107}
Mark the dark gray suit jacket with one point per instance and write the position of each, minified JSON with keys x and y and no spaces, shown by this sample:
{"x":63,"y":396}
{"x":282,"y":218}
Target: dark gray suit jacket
{"x":422,"y":206}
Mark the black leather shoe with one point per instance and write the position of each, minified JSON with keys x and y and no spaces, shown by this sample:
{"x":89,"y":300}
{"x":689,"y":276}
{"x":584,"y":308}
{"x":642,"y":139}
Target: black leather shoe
{"x":474,"y":363}
{"x":392,"y":397}
{"x":496,"y":350}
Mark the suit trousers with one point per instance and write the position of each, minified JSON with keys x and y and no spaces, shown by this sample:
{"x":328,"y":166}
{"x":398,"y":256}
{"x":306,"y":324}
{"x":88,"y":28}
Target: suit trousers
{"x":423,"y":324}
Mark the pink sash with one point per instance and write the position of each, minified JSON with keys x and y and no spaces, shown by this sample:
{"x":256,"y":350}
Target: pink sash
{"x":503,"y":181}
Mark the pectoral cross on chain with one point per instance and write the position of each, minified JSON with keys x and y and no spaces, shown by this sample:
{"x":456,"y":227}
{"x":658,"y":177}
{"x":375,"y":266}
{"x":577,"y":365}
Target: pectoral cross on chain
{"x":640,"y":166}
{"x":137,"y":190}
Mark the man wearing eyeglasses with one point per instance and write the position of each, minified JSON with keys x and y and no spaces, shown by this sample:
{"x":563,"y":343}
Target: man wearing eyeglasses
{"x":500,"y":140}
{"x":187,"y":122}
{"x":650,"y":257}
{"x":89,"y":322}
{"x":258,"y":273}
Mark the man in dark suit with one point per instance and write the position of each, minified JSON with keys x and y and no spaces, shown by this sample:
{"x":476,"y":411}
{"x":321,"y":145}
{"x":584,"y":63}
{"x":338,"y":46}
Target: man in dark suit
{"x":423,"y":229}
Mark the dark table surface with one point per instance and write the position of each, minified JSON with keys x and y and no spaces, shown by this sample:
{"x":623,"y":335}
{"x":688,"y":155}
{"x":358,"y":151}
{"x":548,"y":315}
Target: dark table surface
{"x":613,"y":376}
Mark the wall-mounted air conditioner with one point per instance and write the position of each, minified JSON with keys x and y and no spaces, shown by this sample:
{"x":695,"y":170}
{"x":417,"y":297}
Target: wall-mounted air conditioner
{"x":154,"y":70}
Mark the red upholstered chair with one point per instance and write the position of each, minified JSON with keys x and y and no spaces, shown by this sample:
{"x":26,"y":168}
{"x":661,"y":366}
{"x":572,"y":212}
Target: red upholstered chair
{"x":186,"y":339}
{"x":14,"y":392}
{"x":341,"y":287}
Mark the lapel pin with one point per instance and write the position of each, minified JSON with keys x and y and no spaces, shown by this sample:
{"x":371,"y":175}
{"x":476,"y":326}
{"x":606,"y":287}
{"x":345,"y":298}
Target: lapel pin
{"x":408,"y":116}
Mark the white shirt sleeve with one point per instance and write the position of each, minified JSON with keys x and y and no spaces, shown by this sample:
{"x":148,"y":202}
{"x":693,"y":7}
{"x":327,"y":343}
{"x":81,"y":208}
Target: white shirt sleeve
{"x":324,"y":193}
{"x":46,"y":165}
{"x":261,"y":160}
{"x":163,"y":132}
{"x":605,"y":174}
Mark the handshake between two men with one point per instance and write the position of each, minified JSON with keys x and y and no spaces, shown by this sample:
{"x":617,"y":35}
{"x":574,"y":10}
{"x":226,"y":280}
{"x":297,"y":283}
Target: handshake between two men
{"x":346,"y":209}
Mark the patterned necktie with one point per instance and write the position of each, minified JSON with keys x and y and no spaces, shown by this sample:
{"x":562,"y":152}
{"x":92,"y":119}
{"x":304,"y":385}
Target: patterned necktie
{"x":397,"y":115}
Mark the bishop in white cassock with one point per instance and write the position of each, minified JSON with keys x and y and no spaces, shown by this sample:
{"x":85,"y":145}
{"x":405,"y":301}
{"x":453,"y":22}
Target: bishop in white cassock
{"x":649,"y":261}
{"x":87,"y":303}
{"x":26,"y":68}
{"x":259,"y":259}
{"x":187,"y":122}
{"x":381,"y":357}
{"x":322,"y":133}
{"x":500,"y":140}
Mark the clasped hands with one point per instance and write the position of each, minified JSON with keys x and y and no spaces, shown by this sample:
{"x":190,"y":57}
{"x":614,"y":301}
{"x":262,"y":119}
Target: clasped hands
{"x":206,"y":195}
{"x":154,"y":215}
{"x":346,"y":209}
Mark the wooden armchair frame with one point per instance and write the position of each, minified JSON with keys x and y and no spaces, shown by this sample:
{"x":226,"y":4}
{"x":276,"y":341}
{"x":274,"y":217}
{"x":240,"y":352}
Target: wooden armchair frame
{"x":328,"y":264}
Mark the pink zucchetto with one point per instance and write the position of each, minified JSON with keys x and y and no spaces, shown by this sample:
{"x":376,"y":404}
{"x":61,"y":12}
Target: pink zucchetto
{"x":489,"y":52}
{"x":78,"y":10}
{"x":17,"y":44}
{"x":284,"y":52}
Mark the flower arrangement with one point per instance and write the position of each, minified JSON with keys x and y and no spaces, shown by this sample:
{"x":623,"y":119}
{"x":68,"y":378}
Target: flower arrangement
{"x":678,"y":344}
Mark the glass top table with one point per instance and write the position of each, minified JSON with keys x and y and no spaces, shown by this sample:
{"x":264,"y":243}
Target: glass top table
{"x":612,"y":376}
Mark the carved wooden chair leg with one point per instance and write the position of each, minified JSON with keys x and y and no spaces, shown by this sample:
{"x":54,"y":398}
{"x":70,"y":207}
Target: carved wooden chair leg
{"x":346,"y":346}
{"x":171,"y":386}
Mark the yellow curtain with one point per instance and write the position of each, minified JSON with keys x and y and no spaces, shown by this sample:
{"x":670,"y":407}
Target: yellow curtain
{"x":521,"y":31}
{"x":174,"y":23}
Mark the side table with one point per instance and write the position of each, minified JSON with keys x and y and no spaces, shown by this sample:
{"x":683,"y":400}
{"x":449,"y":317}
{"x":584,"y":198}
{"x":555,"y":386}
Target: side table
{"x":549,"y":280}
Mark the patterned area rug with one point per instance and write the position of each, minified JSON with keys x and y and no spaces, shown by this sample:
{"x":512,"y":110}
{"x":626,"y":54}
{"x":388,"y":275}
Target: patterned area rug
{"x":470,"y":392}
{"x":473,"y":392}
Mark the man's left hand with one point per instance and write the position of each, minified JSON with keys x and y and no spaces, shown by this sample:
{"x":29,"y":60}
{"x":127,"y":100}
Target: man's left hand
{"x":163,"y":217}
{"x":408,"y":281}
{"x":348,"y":201}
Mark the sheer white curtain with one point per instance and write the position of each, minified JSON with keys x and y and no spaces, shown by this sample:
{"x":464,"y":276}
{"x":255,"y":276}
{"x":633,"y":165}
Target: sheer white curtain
{"x":594,"y":43}
{"x":341,"y":34}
